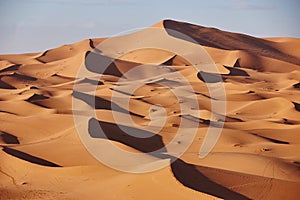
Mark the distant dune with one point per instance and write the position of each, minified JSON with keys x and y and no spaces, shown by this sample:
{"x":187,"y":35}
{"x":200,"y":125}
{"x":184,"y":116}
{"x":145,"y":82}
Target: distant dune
{"x":256,"y":157}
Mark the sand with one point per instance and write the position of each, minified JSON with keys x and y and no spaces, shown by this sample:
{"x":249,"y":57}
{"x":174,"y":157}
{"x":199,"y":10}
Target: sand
{"x":256,"y":157}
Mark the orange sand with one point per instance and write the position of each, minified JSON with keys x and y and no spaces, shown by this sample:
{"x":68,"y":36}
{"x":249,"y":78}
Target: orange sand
{"x":256,"y":157}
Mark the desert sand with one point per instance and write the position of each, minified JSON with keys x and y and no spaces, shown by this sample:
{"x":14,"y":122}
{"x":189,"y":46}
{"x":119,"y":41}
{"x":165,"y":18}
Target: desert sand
{"x":257,"y":154}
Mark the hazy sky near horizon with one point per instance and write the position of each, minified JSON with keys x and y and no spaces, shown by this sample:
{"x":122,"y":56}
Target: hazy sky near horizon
{"x":37,"y":25}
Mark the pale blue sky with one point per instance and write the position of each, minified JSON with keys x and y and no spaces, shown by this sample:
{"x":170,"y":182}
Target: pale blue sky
{"x":37,"y":25}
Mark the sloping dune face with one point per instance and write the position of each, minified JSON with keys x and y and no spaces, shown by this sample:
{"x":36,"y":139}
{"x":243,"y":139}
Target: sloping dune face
{"x":140,"y":99}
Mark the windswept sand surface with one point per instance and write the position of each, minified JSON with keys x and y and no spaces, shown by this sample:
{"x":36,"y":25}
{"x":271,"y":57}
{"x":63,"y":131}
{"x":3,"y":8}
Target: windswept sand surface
{"x":256,"y":157}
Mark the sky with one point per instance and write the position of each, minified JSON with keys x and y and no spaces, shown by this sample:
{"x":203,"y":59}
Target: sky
{"x":38,"y":25}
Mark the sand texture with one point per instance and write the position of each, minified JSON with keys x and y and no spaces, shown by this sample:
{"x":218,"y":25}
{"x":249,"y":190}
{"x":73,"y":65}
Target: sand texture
{"x":256,"y":157}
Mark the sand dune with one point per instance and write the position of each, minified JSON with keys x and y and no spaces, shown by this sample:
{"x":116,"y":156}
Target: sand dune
{"x":256,"y":156}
